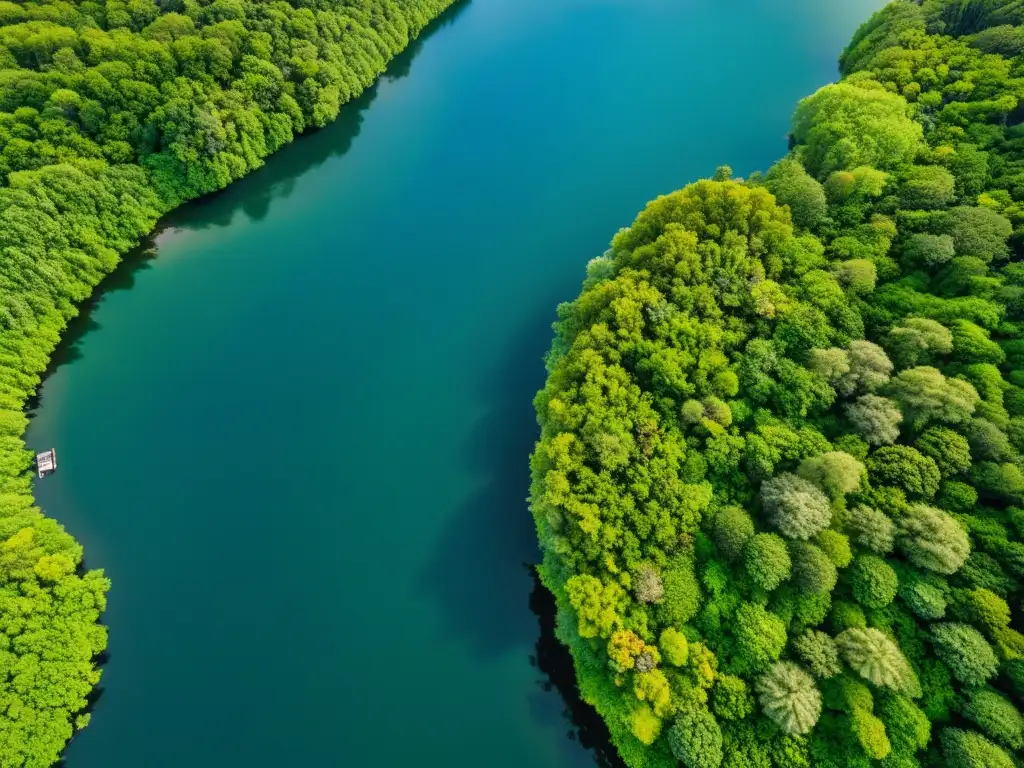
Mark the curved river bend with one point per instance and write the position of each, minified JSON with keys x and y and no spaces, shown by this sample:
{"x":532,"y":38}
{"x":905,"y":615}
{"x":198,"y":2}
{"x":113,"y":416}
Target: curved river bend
{"x":298,"y":443}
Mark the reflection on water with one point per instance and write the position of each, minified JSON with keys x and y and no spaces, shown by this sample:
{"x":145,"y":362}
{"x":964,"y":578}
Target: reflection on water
{"x":553,"y":660}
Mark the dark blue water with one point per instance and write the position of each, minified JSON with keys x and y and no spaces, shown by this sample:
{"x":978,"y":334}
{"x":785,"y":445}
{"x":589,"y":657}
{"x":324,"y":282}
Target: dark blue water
{"x":296,"y":439}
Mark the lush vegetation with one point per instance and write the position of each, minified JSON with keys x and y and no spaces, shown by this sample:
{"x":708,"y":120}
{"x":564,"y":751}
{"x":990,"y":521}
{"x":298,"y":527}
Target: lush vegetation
{"x":112,"y":112}
{"x":780,"y":481}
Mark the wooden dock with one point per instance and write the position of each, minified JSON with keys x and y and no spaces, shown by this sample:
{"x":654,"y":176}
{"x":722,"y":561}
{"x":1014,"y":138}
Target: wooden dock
{"x":46,"y":462}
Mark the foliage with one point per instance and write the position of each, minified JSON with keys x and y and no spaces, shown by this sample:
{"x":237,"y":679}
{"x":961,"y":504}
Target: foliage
{"x":674,"y":647}
{"x":788,"y":696}
{"x":967,"y":749}
{"x":767,"y":560}
{"x":904,"y":467}
{"x":696,"y":740}
{"x":876,"y":418}
{"x":873,"y":581}
{"x":876,"y":658}
{"x":731,"y":699}
{"x":770,"y":385}
{"x":871,"y":529}
{"x":813,"y":572}
{"x":996,"y":716}
{"x":795,"y":506}
{"x":967,"y":654}
{"x":932,"y":539}
{"x":819,"y":653}
{"x":836,"y":473}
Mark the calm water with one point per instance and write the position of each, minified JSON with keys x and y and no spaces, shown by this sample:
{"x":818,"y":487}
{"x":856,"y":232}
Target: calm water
{"x":298,"y":443}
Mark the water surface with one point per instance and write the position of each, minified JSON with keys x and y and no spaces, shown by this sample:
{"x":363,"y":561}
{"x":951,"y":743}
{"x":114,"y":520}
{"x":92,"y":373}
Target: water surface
{"x":296,"y":439}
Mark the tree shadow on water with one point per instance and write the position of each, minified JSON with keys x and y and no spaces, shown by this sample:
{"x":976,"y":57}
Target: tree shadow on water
{"x":553,"y":661}
{"x":477,"y":572}
{"x":69,"y":348}
{"x":254,"y":194}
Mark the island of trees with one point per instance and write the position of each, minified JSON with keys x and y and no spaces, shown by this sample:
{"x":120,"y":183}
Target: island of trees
{"x":780,"y":481}
{"x":113,"y":112}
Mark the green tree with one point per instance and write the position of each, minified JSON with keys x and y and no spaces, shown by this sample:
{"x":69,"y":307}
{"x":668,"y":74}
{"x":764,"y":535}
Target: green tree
{"x":813,"y":572}
{"x":819,"y":654}
{"x":926,"y":186}
{"x":760,"y":638}
{"x":918,"y":340}
{"x":804,"y":195}
{"x":925,"y":395}
{"x":967,"y":749}
{"x":948,"y":449}
{"x":967,"y":654}
{"x":876,"y":418}
{"x":904,"y":467}
{"x":876,"y":658}
{"x":871,"y":529}
{"x":873,"y":581}
{"x":788,"y":696}
{"x":996,"y":716}
{"x":733,"y":529}
{"x":730,"y":698}
{"x":836,"y":473}
{"x":844,"y":126}
{"x":696,"y":740}
{"x":795,"y":506}
{"x":767,"y":560}
{"x":932,"y":539}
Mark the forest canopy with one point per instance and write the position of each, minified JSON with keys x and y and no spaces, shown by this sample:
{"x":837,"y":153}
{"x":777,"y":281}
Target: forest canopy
{"x":780,"y":482}
{"x":113,"y":112}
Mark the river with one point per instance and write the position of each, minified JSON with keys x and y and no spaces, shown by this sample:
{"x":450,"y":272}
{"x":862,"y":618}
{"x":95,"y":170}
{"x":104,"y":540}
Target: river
{"x":294,"y":427}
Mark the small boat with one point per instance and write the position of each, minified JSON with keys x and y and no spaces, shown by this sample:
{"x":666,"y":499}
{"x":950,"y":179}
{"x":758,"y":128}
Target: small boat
{"x":46,"y":462}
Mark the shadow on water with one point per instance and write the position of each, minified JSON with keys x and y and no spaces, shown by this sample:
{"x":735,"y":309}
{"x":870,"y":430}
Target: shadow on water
{"x":482,"y":572}
{"x":476,"y":573}
{"x":91,"y":700}
{"x":553,"y":660}
{"x":252,"y":195}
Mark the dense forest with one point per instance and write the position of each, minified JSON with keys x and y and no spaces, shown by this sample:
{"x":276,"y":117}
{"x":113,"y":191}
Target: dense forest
{"x":113,"y":112}
{"x":780,"y":481}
